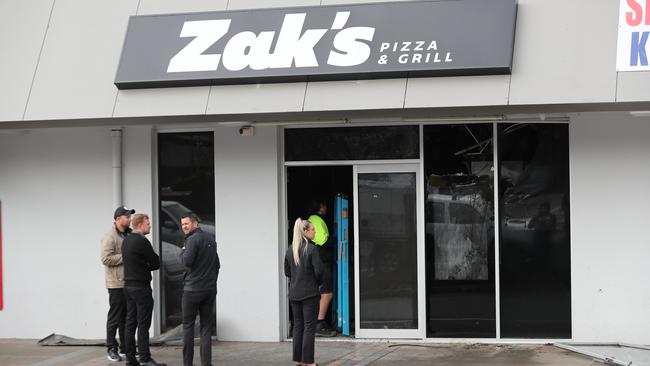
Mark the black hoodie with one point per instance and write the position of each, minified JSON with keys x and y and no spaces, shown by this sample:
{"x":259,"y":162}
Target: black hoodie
{"x":200,"y":258}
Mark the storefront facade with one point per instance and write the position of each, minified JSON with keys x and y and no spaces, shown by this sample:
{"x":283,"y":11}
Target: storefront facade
{"x":504,"y":206}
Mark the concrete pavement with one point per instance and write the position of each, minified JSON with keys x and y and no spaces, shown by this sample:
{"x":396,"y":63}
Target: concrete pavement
{"x":333,"y":353}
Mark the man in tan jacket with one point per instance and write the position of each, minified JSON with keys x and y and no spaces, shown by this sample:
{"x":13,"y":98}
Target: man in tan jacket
{"x":112,"y":259}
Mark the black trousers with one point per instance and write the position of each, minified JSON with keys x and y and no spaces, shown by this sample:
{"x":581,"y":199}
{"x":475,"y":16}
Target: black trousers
{"x":116,"y":318}
{"x":139,"y":305}
{"x":202,"y":303}
{"x":305,"y":313}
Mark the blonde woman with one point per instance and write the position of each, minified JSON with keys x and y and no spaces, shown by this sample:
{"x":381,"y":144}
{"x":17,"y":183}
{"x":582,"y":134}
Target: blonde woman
{"x":304,"y":268}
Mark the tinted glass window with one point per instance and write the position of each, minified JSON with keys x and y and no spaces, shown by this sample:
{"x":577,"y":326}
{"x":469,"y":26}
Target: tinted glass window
{"x":464,"y":213}
{"x":458,"y":162}
{"x":186,"y":183}
{"x":438,"y":212}
{"x":388,"y":287}
{"x":534,"y":227}
{"x":352,"y":143}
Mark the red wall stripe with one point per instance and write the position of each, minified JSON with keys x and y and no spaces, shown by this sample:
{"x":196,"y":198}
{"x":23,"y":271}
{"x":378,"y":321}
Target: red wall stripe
{"x":0,"y":255}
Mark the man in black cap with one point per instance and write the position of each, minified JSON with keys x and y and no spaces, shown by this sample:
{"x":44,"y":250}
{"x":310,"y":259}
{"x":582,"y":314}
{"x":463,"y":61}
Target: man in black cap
{"x":111,"y":256}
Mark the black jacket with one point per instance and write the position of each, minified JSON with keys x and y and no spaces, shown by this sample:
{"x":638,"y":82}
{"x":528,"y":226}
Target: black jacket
{"x":200,"y":258}
{"x":139,"y":260}
{"x":305,"y":278}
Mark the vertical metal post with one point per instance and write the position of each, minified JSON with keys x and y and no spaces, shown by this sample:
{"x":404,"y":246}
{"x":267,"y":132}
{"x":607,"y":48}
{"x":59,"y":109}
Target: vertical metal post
{"x":284,"y":239}
{"x":422,"y":228}
{"x":159,"y":310}
{"x":497,"y":277}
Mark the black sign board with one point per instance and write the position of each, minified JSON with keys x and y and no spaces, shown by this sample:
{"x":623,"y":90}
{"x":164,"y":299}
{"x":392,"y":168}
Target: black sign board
{"x":362,"y":41}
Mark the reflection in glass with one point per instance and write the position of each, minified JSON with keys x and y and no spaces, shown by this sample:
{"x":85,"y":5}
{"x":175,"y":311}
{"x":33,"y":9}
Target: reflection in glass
{"x":388,"y":251}
{"x":534,"y":227}
{"x":352,"y":143}
{"x":186,"y":183}
{"x":458,"y":164}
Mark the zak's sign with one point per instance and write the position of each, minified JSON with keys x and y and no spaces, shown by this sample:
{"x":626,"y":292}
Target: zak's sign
{"x":633,"y":32}
{"x":383,"y":40}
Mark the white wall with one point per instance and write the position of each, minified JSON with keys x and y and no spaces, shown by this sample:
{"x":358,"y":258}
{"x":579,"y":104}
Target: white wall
{"x":55,"y":187}
{"x":138,"y":169}
{"x":610,"y":239}
{"x":29,"y":19}
{"x":247,"y":181}
{"x":52,"y":77}
{"x":78,"y":60}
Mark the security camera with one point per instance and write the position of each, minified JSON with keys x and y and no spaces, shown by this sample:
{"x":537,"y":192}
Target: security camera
{"x":247,"y":131}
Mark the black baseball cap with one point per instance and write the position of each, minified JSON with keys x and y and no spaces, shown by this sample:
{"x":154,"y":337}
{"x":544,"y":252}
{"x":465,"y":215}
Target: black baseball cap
{"x":123,"y":211}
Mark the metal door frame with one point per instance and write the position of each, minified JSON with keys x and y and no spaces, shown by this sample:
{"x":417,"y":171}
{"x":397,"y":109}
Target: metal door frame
{"x":420,"y":332}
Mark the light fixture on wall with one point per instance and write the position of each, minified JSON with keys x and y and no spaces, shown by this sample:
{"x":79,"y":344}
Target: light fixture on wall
{"x":247,"y":131}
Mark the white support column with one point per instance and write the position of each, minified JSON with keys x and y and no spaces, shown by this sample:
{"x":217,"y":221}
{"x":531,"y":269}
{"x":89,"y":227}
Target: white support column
{"x":497,"y":280}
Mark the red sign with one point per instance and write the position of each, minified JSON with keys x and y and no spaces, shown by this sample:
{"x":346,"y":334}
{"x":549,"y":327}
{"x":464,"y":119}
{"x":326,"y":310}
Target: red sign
{"x":633,"y":35}
{"x":0,"y":255}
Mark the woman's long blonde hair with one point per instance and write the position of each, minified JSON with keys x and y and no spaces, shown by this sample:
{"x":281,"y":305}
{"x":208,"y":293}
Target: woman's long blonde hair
{"x":299,"y":239}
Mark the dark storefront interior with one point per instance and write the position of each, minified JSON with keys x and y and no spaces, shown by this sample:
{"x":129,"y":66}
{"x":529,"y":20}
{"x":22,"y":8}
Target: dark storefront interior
{"x":458,"y":160}
{"x":534,"y":226}
{"x":321,"y":183}
{"x":458,"y":166}
{"x":459,"y":219}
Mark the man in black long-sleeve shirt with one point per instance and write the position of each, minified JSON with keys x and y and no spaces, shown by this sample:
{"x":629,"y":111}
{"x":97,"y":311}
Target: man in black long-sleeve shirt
{"x":200,"y":258}
{"x":139,"y":260}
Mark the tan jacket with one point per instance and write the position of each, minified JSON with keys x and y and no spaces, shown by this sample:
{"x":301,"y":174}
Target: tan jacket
{"x":112,"y":258}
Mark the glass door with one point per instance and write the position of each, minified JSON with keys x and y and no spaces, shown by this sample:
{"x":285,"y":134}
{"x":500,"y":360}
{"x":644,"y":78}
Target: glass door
{"x":389,"y":267}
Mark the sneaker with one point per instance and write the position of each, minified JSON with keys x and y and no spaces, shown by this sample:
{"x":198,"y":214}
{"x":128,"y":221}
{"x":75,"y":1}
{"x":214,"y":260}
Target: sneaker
{"x":123,"y":355}
{"x":326,"y":332}
{"x":132,"y":362}
{"x":152,"y":362}
{"x":323,"y":330}
{"x":113,"y":356}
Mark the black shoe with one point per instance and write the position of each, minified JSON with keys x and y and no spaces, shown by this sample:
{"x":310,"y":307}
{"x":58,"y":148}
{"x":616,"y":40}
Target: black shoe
{"x":323,"y":330}
{"x":152,"y":362}
{"x":132,"y":362}
{"x":112,"y":355}
{"x":326,"y":333}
